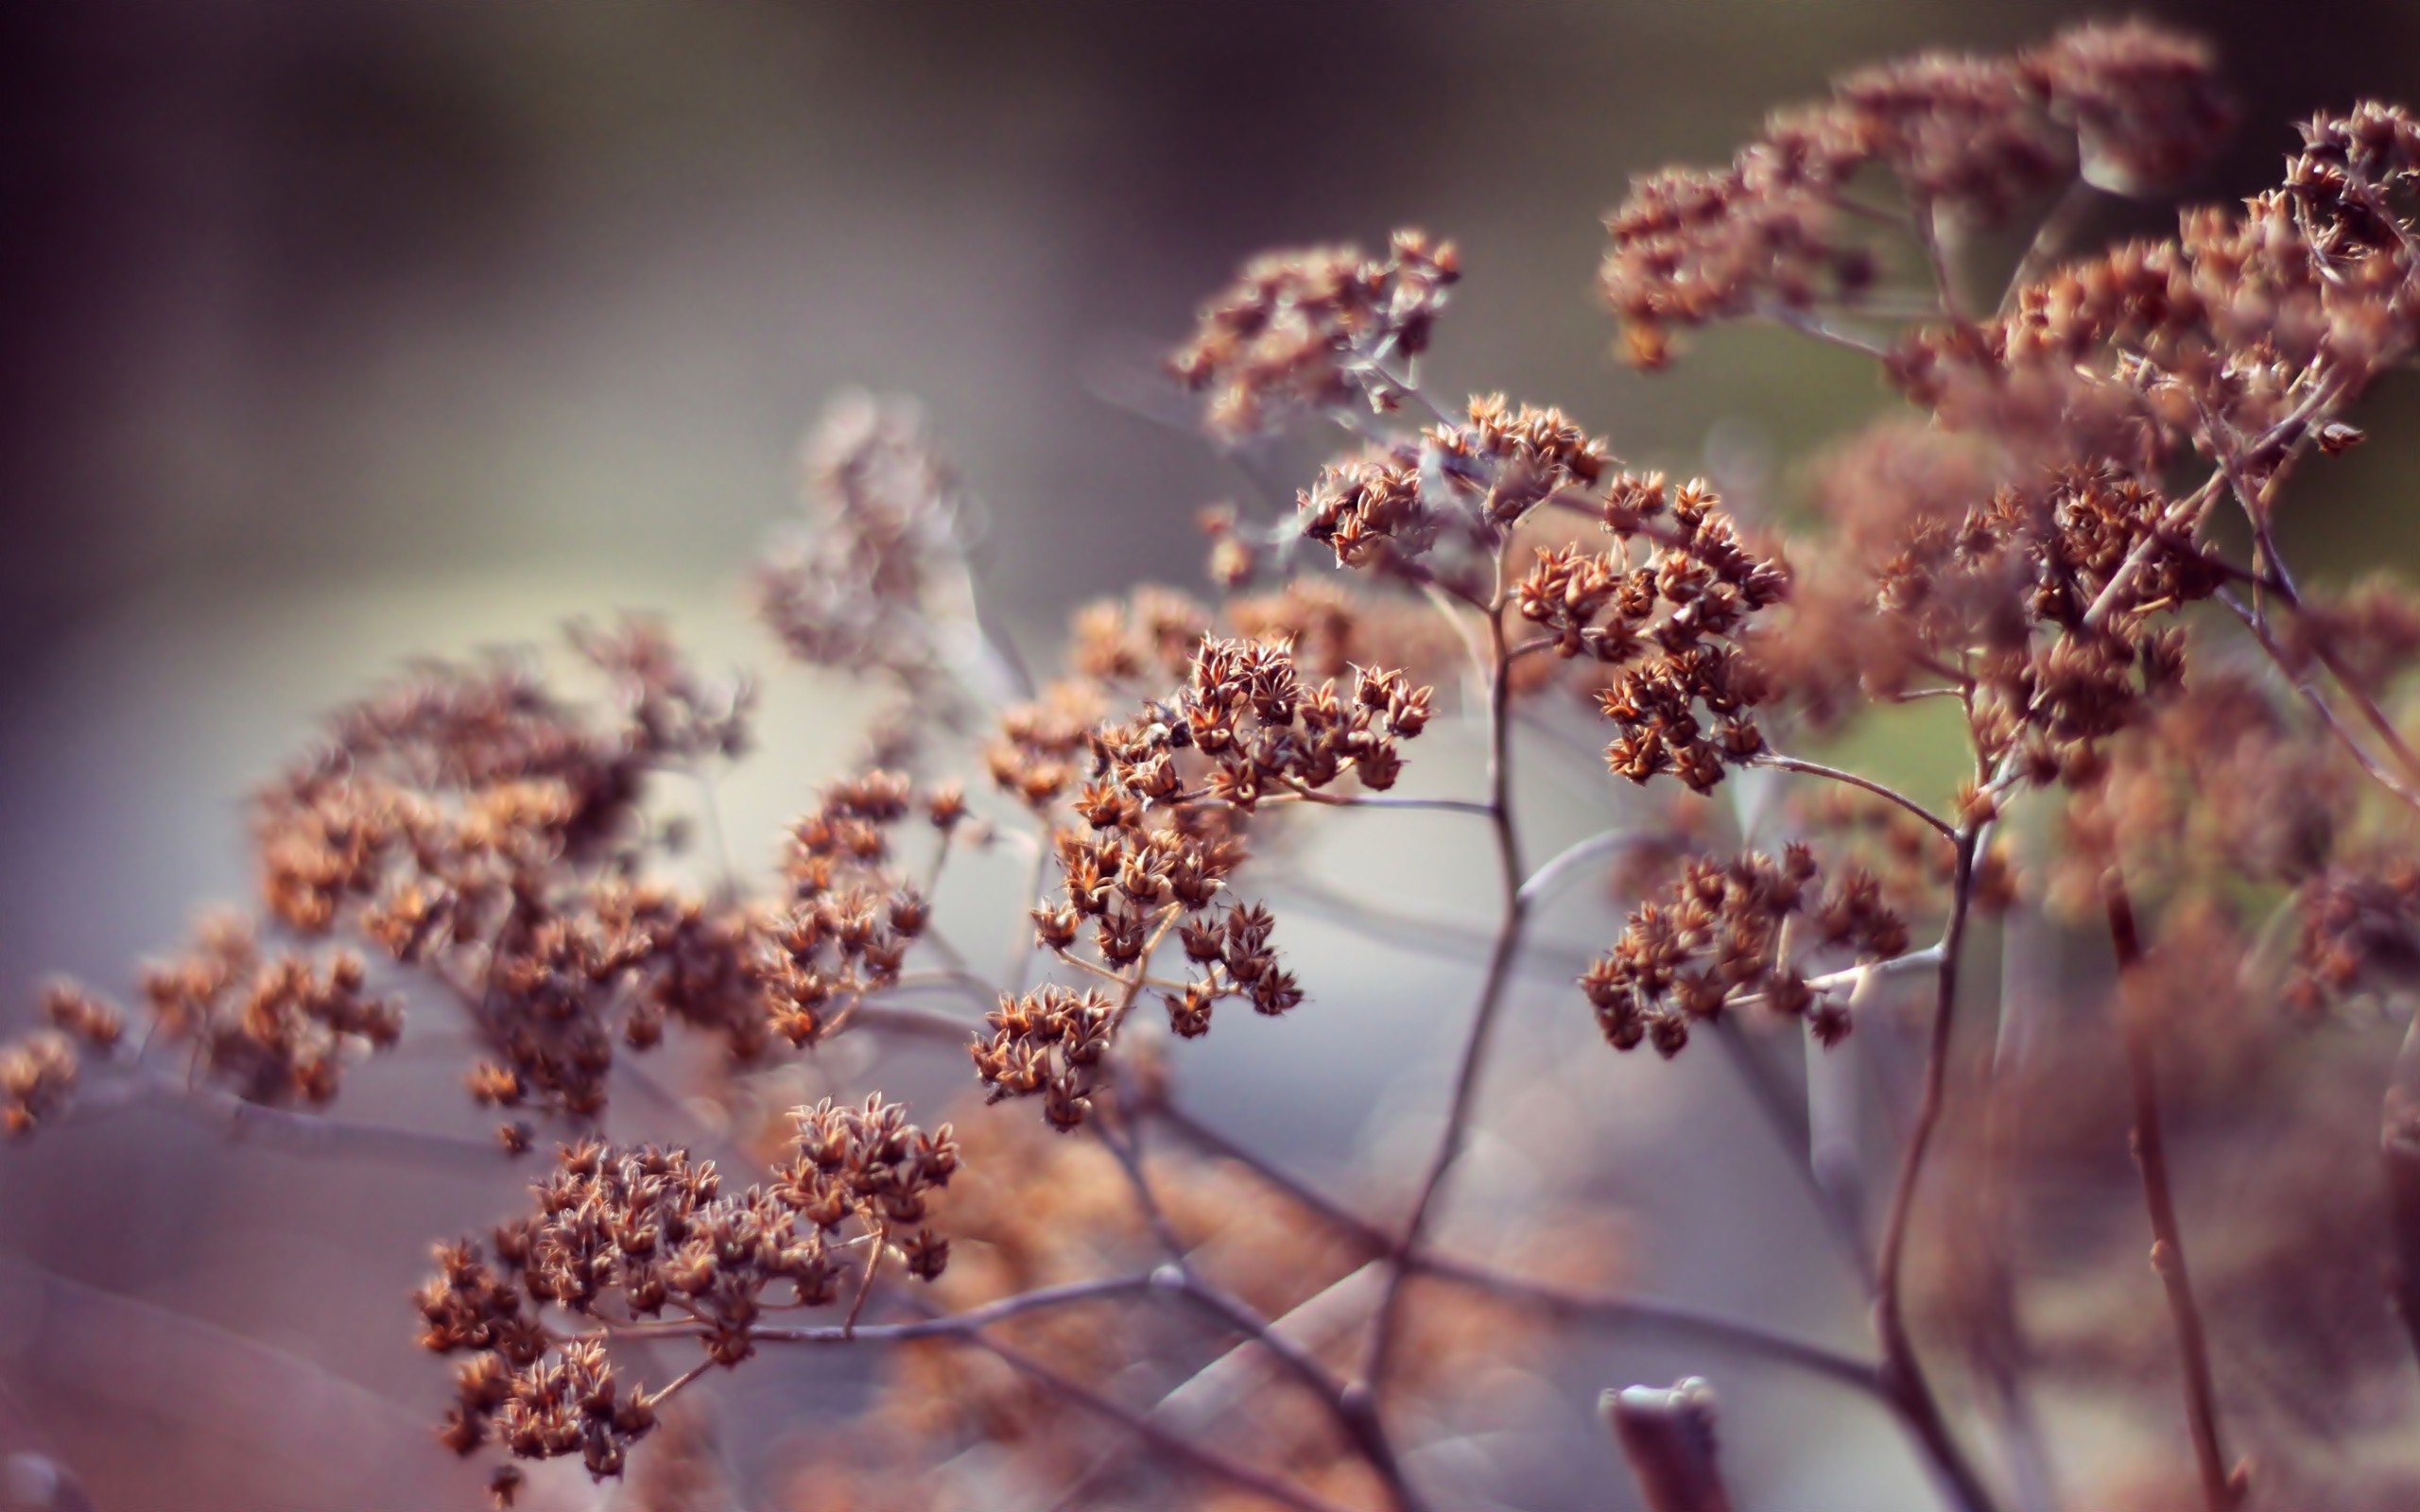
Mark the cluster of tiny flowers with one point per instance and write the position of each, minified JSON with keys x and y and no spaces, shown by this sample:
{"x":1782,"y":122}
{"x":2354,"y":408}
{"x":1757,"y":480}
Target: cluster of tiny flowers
{"x":2049,"y":595}
{"x":1387,"y":507}
{"x":1332,"y":630}
{"x":1977,"y":591}
{"x":1730,"y":933}
{"x":625,"y":1234}
{"x":1051,"y":1041}
{"x":2243,"y":336}
{"x":1262,"y":731}
{"x":1134,"y":648}
{"x":2358,"y":929}
{"x":848,"y":918}
{"x":273,"y":1028}
{"x":879,"y":580}
{"x":473,"y":824}
{"x":1910,"y":864}
{"x":1670,"y":603}
{"x":1369,"y":508}
{"x":38,"y":1074}
{"x":1160,"y":834}
{"x":668,"y":709}
{"x":1779,"y":230}
{"x":2215,"y":782}
{"x":1313,"y":328}
{"x":1047,"y":1044}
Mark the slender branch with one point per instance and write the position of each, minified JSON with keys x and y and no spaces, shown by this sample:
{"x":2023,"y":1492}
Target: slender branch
{"x":1492,"y":992}
{"x":2219,"y":1490}
{"x":717,"y":840}
{"x":1436,"y":932}
{"x":1809,"y":324}
{"x":921,"y":1024}
{"x":1380,"y":800}
{"x":2050,"y":239}
{"x":1927,"y":221}
{"x":1616,"y":1312}
{"x":283,"y":1128}
{"x":1880,"y":790}
{"x":968,"y":1326}
{"x":2399,"y":1148}
{"x":2318,"y":701}
{"x":1902,"y":1370}
{"x":1129,"y":1154}
{"x":2185,"y":515}
{"x":1215,"y":1389}
{"x":1209,"y":1461}
{"x":1542,"y":884}
{"x":954,"y":1325}
{"x":1356,"y":1412}
{"x":1021,"y":947}
{"x":656,"y":1398}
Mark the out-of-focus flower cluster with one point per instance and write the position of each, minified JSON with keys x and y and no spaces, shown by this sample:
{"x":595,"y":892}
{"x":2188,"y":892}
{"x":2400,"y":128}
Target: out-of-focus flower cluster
{"x":1783,"y":231}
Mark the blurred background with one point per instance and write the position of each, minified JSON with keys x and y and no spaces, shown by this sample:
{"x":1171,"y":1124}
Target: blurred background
{"x":334,"y":332}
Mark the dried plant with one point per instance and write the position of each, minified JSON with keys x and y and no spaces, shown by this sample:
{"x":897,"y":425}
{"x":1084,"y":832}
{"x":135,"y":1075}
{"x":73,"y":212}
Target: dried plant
{"x":2182,"y":768}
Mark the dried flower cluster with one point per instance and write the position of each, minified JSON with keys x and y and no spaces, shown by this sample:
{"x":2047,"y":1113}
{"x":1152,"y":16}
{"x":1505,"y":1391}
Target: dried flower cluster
{"x":1670,"y":604}
{"x":2158,"y":797}
{"x":625,"y":1234}
{"x":879,"y":581}
{"x":1782,"y":231}
{"x":1316,"y":329}
{"x":1724,"y":939}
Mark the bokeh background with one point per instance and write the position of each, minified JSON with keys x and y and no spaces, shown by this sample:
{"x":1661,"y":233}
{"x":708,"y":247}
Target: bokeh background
{"x":334,"y":333}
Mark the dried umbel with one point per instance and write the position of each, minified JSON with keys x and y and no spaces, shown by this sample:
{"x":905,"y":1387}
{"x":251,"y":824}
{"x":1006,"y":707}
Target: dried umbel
{"x":1784,"y":232}
{"x":622,"y":1235}
{"x":1322,"y":327}
{"x":37,"y":1075}
{"x":1671,"y":606}
{"x":1161,"y":831}
{"x":271,"y":1027}
{"x":882,"y":573}
{"x":1736,"y":934}
{"x":850,"y":915}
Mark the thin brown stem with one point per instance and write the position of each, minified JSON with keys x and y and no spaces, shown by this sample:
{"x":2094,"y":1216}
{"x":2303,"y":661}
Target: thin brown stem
{"x":1356,"y":1412}
{"x":1492,"y":992}
{"x":1615,"y":1312}
{"x":2399,"y":1149}
{"x":1903,"y":1371}
{"x":1881,"y":790}
{"x":2318,"y":701}
{"x":1926,"y":220}
{"x":656,"y":1398}
{"x":2219,"y":1490}
{"x":2050,"y":239}
{"x":1379,"y":800}
{"x":1175,"y":1445}
{"x":956,"y":1323}
{"x":1809,"y":324}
